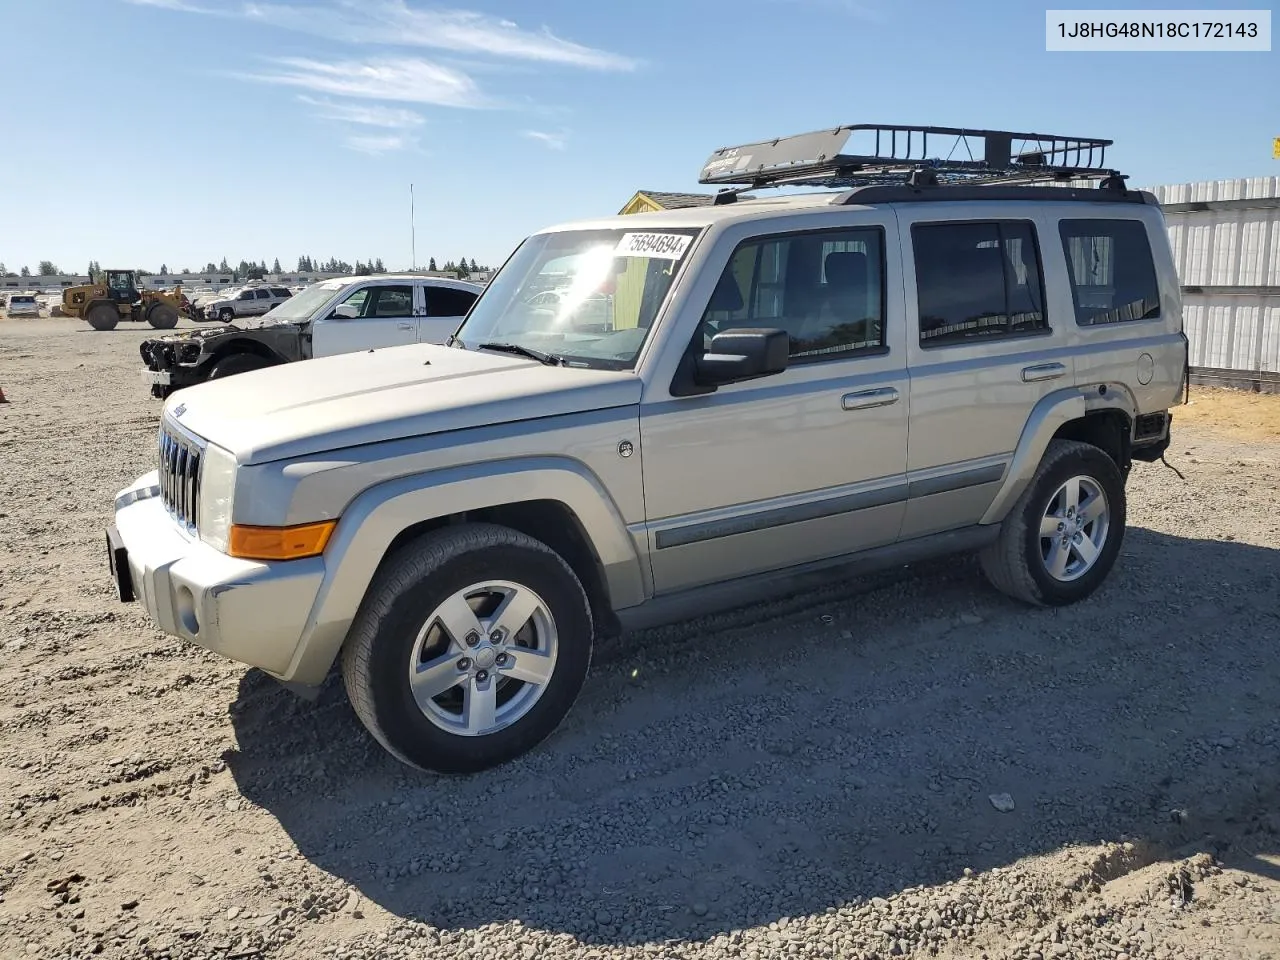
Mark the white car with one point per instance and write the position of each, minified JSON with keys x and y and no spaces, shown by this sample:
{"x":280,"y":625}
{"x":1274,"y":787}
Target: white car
{"x":341,"y":315}
{"x":23,"y":305}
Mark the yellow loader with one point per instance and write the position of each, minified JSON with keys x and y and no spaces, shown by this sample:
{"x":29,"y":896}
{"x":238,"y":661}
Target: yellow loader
{"x":106,"y":304}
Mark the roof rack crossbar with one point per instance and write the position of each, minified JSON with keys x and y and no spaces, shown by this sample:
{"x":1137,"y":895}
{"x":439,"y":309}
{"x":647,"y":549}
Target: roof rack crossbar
{"x":899,"y":153}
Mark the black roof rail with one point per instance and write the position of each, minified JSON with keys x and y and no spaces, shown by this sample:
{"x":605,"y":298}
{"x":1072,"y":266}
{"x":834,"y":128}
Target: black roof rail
{"x":900,"y":155}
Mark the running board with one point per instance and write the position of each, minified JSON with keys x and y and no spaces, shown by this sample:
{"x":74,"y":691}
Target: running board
{"x":760,"y":588}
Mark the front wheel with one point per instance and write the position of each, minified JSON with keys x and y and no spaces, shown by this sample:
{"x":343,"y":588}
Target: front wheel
{"x":237,"y":363}
{"x":226,"y":315}
{"x":469,"y":649}
{"x":161,"y":316}
{"x":1062,"y":537}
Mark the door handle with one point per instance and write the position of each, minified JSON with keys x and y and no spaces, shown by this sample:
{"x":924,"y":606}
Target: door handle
{"x":405,"y":326}
{"x":866,"y":399}
{"x":1042,"y":371}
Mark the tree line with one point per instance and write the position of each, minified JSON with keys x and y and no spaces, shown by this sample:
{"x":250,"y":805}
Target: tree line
{"x":250,"y":270}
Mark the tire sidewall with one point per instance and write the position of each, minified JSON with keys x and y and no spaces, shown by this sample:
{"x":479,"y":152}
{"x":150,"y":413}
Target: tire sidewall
{"x":236,"y":363}
{"x":1095,"y":464}
{"x":398,"y":715}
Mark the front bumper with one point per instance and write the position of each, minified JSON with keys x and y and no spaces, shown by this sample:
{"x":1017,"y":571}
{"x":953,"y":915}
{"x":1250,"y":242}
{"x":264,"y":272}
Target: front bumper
{"x":244,"y":610}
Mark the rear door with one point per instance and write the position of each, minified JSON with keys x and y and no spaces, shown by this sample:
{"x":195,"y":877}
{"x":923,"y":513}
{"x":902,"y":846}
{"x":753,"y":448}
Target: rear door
{"x":983,"y":349}
{"x":444,"y":310}
{"x":262,"y":301}
{"x":370,"y":316}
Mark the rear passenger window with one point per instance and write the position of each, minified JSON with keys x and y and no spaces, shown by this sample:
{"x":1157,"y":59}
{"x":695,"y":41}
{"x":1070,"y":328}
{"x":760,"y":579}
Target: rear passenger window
{"x":977,"y":281}
{"x":1113,"y":278}
{"x":824,"y":289}
{"x":448,"y":302}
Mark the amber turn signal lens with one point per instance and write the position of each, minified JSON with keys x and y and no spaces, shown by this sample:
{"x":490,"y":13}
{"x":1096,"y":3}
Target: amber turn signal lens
{"x":280,"y":543}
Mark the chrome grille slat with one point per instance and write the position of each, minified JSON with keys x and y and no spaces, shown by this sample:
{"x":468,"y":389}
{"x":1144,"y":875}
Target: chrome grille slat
{"x":180,"y":456}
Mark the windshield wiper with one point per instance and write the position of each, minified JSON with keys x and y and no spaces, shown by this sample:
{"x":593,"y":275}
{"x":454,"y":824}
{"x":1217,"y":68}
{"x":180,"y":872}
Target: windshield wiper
{"x":550,"y":359}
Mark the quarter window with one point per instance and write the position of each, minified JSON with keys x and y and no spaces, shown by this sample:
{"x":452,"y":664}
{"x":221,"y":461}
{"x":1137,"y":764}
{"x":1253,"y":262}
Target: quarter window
{"x":1113,"y":278}
{"x":976,"y":281}
{"x":825,"y":289}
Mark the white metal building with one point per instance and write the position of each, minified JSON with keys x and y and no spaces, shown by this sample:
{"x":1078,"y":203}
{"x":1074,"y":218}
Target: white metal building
{"x":1226,"y":244}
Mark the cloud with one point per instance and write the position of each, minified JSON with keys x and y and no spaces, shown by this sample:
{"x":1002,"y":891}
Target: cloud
{"x":378,"y":145}
{"x":395,"y":23}
{"x":405,"y":80}
{"x":181,"y":5}
{"x":552,"y":141}
{"x":392,"y":118}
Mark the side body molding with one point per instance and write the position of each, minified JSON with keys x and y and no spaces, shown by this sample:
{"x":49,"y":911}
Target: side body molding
{"x":1047,"y":416}
{"x":377,"y":516}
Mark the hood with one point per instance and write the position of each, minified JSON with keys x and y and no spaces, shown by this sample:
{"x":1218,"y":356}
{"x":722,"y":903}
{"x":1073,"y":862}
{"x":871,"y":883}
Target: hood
{"x":313,"y":406}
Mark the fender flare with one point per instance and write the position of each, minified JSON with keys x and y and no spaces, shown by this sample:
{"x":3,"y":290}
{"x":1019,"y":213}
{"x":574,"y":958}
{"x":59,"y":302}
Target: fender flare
{"x":372,"y":521}
{"x":1047,"y":417}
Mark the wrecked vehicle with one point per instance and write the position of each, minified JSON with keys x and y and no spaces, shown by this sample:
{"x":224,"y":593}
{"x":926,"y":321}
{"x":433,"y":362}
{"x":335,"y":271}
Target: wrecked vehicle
{"x":333,"y":316}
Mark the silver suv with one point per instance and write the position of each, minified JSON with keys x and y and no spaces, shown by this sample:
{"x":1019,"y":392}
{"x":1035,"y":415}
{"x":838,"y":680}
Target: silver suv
{"x":717,"y":404}
{"x":252,"y":300}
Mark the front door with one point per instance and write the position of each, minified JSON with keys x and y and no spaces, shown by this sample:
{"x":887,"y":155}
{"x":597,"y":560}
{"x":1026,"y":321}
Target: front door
{"x":801,"y":466}
{"x":380,"y":315}
{"x":983,"y":349}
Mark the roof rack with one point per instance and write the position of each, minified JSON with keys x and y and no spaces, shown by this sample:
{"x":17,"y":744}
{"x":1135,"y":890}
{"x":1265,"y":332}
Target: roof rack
{"x":900,"y":155}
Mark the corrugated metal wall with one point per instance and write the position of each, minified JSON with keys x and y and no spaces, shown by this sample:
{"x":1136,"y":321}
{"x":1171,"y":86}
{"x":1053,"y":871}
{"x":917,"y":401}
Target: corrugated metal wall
{"x":1225,"y":236}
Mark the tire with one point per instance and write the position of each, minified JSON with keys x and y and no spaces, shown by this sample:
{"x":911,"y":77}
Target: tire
{"x":162,"y":316}
{"x":399,"y":625}
{"x":103,"y":316}
{"x":226,"y":314}
{"x":238,"y":363}
{"x":1029,"y":564}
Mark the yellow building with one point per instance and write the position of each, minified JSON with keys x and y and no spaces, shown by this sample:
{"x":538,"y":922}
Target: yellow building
{"x":650,"y":201}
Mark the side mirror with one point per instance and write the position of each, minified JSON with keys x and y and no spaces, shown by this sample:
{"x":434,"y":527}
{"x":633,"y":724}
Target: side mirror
{"x":345,"y":311}
{"x":742,"y":355}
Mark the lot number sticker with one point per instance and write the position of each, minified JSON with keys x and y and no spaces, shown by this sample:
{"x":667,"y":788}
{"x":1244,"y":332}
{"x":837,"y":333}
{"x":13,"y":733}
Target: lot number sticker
{"x":662,"y":246}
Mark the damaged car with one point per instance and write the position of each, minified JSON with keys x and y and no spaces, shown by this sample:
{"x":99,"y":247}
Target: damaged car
{"x":335,"y":316}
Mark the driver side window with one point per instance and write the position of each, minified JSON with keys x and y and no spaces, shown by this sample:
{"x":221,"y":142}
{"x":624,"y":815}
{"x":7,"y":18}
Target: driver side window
{"x":825,"y":289}
{"x":355,"y":302}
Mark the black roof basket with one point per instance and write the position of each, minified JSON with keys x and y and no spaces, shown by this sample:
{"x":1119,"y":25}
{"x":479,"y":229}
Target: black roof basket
{"x":895,"y":154}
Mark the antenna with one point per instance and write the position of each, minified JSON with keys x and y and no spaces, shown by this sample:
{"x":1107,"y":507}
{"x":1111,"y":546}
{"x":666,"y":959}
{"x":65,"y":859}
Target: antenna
{"x":413,"y":235}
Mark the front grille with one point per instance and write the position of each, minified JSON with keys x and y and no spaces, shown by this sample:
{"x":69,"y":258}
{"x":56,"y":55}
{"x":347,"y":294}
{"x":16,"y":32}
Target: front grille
{"x":180,"y":457}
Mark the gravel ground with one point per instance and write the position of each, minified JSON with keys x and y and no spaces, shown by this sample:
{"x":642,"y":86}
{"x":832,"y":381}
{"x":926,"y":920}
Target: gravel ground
{"x":820,"y":777}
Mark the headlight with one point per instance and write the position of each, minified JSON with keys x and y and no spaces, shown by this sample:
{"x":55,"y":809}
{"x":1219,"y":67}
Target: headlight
{"x":217,"y":485}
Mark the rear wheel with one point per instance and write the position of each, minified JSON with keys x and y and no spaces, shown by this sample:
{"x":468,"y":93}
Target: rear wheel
{"x":469,"y":649}
{"x":238,"y":363}
{"x":162,"y":316}
{"x":1062,"y":537}
{"x":103,"y":316}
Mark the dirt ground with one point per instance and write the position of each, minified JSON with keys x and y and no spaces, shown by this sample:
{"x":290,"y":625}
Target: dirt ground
{"x":810,"y":778}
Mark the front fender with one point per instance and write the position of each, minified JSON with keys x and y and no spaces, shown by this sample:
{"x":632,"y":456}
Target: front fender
{"x":373,"y":520}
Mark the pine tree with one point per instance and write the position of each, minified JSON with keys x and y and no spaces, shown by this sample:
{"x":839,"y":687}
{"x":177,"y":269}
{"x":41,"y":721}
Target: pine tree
{"x":275,"y":266}
{"x":164,"y":269}
{"x":474,"y":268}
{"x":378,"y":267}
{"x":432,"y":265}
{"x":26,"y":271}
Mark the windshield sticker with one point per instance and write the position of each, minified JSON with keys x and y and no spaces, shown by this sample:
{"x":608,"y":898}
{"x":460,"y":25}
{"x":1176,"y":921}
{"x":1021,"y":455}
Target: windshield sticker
{"x":662,"y":246}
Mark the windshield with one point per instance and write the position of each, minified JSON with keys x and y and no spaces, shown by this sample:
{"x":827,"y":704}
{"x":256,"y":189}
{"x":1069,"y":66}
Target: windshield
{"x":302,"y":305}
{"x":589,"y":296}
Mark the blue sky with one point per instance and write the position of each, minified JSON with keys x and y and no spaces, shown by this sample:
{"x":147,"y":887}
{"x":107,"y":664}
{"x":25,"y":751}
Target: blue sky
{"x":183,"y":131}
